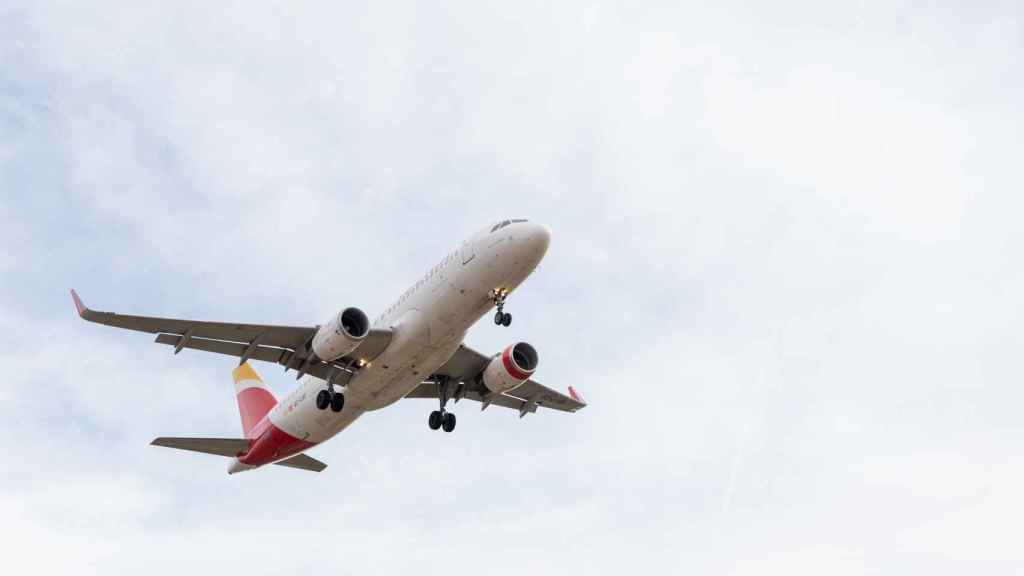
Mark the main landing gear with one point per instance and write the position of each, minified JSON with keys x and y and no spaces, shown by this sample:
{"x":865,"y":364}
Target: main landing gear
{"x":328,"y":397}
{"x":438,"y":419}
{"x":501,"y":318}
{"x":442,"y":418}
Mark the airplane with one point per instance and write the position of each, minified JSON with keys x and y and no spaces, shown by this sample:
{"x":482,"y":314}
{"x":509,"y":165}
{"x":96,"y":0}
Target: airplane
{"x":414,"y":349}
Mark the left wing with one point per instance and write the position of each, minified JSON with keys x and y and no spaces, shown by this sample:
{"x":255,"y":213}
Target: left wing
{"x":285,"y":345}
{"x":465,"y":368}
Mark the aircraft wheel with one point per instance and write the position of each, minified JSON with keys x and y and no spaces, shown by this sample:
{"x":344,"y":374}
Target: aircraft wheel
{"x":506,"y":319}
{"x":449,"y":422}
{"x":323,"y":399}
{"x":338,"y":402}
{"x":499,"y":318}
{"x":435,"y":420}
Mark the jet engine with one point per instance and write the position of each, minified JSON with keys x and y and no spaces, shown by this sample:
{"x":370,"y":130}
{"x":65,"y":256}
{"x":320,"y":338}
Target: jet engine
{"x":511,"y":368}
{"x":341,"y":335}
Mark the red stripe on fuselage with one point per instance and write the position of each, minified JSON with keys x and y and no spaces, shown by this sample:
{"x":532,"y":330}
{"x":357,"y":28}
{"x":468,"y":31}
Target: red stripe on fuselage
{"x":510,"y":366}
{"x":271,"y":444}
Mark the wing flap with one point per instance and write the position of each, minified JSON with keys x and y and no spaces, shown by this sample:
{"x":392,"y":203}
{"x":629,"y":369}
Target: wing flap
{"x":303,"y":462}
{"x":265,"y":353}
{"x":217,"y":446}
{"x":532,"y":391}
{"x":281,"y":356}
{"x":429,"y":390}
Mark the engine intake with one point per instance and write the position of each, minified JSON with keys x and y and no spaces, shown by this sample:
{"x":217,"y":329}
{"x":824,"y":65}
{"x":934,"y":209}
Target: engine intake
{"x":341,"y":335}
{"x":512,"y":367}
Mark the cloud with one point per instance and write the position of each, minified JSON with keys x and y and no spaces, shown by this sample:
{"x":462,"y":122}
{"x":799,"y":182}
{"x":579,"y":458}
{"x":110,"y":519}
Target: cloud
{"x":783,"y":273}
{"x":882,"y":154}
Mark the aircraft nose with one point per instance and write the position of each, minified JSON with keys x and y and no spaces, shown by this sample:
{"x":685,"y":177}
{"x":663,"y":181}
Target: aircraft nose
{"x":538,"y":238}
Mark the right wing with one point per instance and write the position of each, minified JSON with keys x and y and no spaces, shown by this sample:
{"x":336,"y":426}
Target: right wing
{"x":285,"y":345}
{"x":466,"y":367}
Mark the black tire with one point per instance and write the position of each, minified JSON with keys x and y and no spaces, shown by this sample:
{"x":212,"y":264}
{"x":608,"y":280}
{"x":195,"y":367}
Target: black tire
{"x":338,"y":402}
{"x":323,"y":399}
{"x":499,"y":318}
{"x":449,"y":422}
{"x":435,"y":420}
{"x":506,"y":319}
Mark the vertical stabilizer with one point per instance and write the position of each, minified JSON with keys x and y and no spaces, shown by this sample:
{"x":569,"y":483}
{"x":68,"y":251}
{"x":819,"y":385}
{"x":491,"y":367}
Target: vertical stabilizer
{"x":254,"y":399}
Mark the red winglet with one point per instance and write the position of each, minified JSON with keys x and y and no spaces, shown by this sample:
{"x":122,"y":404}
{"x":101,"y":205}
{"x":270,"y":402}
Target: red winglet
{"x":575,"y":395}
{"x":78,"y":304}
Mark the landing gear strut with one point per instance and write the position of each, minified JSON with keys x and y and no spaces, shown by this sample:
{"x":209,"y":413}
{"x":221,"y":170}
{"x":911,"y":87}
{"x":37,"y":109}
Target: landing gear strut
{"x":442,"y":418}
{"x":328,"y":397}
{"x":501,"y":318}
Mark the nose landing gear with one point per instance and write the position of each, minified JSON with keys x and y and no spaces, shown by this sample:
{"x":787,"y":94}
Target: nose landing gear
{"x":442,"y":418}
{"x":501,"y":318}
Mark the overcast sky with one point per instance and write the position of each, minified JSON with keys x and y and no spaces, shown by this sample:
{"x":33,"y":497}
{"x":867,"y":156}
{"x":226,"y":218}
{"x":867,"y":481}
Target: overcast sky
{"x":785,"y":272}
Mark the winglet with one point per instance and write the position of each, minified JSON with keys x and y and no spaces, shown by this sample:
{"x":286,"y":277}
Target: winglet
{"x":576,"y":396}
{"x":81,"y":308}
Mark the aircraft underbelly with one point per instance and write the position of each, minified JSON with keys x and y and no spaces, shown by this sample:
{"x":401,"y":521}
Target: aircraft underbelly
{"x":426,"y":335}
{"x":387,"y":380}
{"x":411,"y":373}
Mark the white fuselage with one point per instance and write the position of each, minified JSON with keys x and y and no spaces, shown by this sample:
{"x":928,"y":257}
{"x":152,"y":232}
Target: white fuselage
{"x":428,"y":322}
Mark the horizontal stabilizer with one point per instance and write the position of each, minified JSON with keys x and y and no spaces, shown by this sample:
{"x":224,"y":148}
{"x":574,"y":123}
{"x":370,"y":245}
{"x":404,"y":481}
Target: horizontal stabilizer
{"x":218,"y":446}
{"x":304,"y":462}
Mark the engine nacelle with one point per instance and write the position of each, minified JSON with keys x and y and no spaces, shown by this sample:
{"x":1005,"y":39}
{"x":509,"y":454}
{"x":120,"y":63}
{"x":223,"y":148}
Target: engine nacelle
{"x":341,"y":335}
{"x":511,"y":368}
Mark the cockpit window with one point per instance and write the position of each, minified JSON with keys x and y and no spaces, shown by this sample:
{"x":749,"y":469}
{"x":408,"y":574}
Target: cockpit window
{"x":504,"y":223}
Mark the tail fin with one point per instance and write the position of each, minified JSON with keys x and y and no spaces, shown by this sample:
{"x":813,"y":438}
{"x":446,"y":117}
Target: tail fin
{"x":254,"y":399}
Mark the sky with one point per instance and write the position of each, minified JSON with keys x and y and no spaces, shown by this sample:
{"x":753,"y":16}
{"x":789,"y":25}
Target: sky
{"x":784,"y":272}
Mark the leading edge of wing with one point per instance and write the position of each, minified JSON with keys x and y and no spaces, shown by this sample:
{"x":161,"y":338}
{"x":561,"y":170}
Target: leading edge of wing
{"x":287,"y":336}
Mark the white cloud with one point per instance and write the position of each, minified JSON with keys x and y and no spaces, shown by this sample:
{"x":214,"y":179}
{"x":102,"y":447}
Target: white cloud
{"x":783,"y":274}
{"x":871,"y":147}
